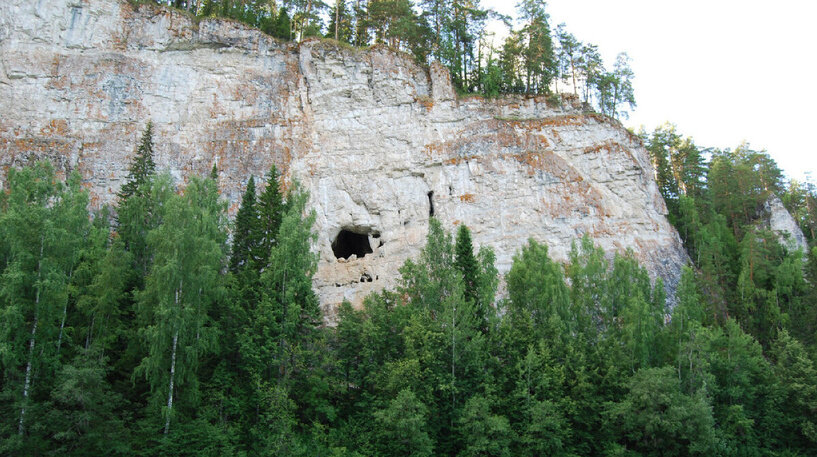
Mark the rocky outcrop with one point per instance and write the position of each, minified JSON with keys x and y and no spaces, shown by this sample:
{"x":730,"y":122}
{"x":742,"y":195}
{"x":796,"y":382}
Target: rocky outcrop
{"x":778,"y":219}
{"x":380,"y":142}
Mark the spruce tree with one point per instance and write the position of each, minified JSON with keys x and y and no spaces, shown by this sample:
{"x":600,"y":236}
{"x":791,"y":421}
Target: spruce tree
{"x":467,"y":264}
{"x":136,"y":213}
{"x":142,"y":167}
{"x":246,"y":230}
{"x":270,"y":212}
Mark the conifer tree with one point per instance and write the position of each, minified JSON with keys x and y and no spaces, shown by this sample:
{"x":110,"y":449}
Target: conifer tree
{"x":136,"y":213}
{"x":245,"y":235}
{"x":289,"y":305}
{"x":466,"y":263}
{"x":142,"y":167}
{"x":340,"y":23}
{"x":271,"y":209}
{"x":402,"y":426}
{"x":798,"y":377}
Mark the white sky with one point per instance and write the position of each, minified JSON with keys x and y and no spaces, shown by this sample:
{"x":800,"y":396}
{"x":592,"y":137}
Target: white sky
{"x":723,"y":71}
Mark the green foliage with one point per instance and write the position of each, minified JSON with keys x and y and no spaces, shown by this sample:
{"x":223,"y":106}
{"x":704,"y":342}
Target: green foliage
{"x":142,"y":168}
{"x":246,"y":234}
{"x":483,"y":433}
{"x":43,"y":226}
{"x":795,"y":371}
{"x":170,"y":348}
{"x":271,"y":210}
{"x":136,"y":213}
{"x":615,"y":88}
{"x":402,"y":427}
{"x":536,"y":286}
{"x":655,"y":418}
{"x":532,"y":60}
{"x":84,"y":416}
{"x":189,"y":253}
{"x":340,"y":23}
{"x":479,"y":277}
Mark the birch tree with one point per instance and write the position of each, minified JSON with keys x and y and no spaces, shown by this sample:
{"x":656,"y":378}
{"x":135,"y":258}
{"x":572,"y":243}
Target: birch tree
{"x":189,"y":253}
{"x":40,"y":226}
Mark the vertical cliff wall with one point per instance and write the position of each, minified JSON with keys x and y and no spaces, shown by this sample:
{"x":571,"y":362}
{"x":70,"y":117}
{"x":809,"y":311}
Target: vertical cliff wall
{"x":380,"y":142}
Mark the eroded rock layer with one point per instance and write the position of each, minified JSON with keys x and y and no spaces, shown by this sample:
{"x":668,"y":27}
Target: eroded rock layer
{"x":380,"y":142}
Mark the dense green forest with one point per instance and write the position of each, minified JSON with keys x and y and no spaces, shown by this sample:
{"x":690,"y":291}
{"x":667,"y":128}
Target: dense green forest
{"x":534,"y":58}
{"x":145,"y":329}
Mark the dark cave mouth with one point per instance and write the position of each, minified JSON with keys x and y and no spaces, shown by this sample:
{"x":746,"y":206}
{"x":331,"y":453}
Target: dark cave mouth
{"x":349,"y":242}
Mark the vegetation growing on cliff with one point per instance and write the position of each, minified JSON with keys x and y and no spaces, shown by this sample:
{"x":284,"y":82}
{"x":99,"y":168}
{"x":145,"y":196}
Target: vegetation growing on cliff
{"x":152,"y":336}
{"x":534,"y":58}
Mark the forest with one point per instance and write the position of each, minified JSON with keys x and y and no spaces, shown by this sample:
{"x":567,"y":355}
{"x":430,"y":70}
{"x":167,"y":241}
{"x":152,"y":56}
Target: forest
{"x":160,"y":327}
{"x":534,"y":58}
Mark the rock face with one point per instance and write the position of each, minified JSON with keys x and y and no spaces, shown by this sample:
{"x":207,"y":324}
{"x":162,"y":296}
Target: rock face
{"x":779,"y":220}
{"x":380,"y":142}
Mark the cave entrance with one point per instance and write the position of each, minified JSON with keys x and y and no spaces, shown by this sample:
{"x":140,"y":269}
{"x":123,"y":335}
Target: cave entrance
{"x":348,"y":243}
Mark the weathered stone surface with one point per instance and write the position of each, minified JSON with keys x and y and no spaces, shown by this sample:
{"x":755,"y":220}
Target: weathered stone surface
{"x":374,"y":137}
{"x":779,"y":220}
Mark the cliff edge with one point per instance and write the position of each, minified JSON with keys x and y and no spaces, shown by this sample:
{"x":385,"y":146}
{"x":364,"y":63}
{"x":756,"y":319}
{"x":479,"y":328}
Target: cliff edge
{"x":381,"y":143}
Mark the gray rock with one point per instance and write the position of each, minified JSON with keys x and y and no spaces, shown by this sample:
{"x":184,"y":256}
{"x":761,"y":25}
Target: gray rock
{"x":779,"y":220}
{"x":378,"y":141}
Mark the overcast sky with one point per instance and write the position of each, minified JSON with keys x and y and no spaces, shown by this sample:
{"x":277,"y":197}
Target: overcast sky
{"x":723,"y":71}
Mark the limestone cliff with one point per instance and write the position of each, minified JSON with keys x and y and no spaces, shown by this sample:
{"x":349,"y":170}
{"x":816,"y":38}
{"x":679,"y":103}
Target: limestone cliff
{"x":777,"y":218}
{"x":379,"y":141}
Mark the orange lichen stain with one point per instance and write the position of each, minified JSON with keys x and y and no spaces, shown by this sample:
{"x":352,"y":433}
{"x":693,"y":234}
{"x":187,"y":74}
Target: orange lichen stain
{"x":426,"y":101}
{"x":459,"y":159}
{"x":609,"y":145}
{"x":467,"y":198}
{"x":470,"y":97}
{"x":91,"y":145}
{"x":433,"y":149}
{"x":552,"y":121}
{"x":55,"y":127}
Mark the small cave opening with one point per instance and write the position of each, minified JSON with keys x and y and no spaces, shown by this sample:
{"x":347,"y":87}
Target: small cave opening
{"x":431,"y":204}
{"x":348,"y":243}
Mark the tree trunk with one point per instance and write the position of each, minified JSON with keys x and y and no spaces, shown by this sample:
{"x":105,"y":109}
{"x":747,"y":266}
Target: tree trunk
{"x":64,"y":314}
{"x":172,"y":366}
{"x":172,"y":376}
{"x":282,"y":335}
{"x":62,"y":326}
{"x":27,"y":383}
{"x":306,"y":19}
{"x":453,"y":358}
{"x":31,"y":342}
{"x":337,"y":13}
